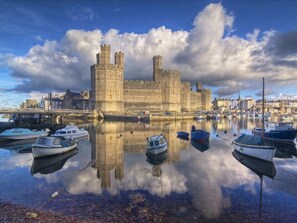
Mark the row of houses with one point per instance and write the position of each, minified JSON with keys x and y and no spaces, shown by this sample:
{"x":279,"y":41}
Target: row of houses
{"x":249,"y":104}
{"x":68,"y":100}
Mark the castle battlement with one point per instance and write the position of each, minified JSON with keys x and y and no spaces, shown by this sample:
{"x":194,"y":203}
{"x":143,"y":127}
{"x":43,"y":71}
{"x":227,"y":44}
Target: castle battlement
{"x":105,"y":46}
{"x":140,"y":84}
{"x":139,"y":81}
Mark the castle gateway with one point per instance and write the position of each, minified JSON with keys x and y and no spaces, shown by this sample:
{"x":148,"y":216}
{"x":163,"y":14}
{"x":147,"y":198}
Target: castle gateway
{"x":111,"y":93}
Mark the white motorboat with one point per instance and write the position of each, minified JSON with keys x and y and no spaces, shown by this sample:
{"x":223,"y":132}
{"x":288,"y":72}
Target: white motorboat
{"x":72,"y":132}
{"x":21,"y":133}
{"x":48,"y":146}
{"x":156,"y":144}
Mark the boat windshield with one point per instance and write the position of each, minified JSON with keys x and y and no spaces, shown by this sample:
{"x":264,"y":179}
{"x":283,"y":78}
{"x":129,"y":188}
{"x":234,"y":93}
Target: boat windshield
{"x":162,"y":141}
{"x":157,"y":143}
{"x":56,"y":142}
{"x":151,"y":143}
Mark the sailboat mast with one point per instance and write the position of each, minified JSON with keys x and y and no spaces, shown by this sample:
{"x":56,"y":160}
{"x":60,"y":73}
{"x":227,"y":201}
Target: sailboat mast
{"x":263,"y":109}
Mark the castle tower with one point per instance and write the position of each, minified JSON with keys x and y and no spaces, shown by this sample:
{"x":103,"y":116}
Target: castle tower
{"x":105,"y":54}
{"x":157,"y":66}
{"x":107,"y":82}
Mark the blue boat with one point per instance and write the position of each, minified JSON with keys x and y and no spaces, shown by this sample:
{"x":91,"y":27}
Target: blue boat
{"x":183,"y":135}
{"x":199,"y":134}
{"x":282,"y":131}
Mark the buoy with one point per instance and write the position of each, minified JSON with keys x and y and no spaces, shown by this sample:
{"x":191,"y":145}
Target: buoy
{"x":55,"y":194}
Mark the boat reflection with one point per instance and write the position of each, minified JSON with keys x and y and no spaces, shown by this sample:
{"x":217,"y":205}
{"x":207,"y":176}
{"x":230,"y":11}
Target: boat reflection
{"x":260,"y":167}
{"x":157,"y":160}
{"x":201,"y":145}
{"x":17,"y":146}
{"x":51,"y":164}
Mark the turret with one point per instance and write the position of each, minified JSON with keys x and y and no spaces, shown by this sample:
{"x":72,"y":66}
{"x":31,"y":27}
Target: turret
{"x":98,"y":58}
{"x":105,"y":54}
{"x":199,"y":86}
{"x":157,"y":66}
{"x":119,"y":59}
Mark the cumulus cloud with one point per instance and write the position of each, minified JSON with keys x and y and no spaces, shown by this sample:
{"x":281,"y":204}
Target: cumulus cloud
{"x":210,"y":53}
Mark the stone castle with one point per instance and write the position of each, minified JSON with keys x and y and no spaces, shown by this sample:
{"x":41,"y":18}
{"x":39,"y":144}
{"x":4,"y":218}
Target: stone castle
{"x":111,"y":93}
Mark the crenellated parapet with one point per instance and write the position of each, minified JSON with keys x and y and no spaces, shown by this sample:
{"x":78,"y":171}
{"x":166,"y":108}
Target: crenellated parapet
{"x":140,"y":84}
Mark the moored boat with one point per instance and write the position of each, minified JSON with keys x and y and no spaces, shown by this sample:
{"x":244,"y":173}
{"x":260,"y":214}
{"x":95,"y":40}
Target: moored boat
{"x":47,"y":165}
{"x":71,"y":132}
{"x":156,"y":144}
{"x":199,"y":134}
{"x":281,"y":131}
{"x":48,"y":146}
{"x":252,"y":145}
{"x":21,"y":133}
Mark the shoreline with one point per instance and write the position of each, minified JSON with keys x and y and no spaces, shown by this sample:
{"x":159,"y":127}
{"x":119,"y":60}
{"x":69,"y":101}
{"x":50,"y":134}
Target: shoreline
{"x":10,"y":212}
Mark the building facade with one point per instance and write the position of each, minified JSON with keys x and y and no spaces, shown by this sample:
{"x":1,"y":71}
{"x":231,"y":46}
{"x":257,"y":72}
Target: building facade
{"x":111,"y":93}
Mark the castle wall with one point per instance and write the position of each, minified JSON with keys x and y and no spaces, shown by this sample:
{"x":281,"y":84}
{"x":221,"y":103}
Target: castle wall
{"x":185,"y":97}
{"x":195,"y":101}
{"x":142,"y":95}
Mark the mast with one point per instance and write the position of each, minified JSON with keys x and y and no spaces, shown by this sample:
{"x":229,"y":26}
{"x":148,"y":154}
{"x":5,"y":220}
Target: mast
{"x":263,"y":110}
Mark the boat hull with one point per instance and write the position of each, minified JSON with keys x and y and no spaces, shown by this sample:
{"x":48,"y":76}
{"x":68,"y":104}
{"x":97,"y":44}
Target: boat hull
{"x":73,"y":136}
{"x":19,"y":137}
{"x":261,"y":152}
{"x":39,"y":151}
{"x":277,"y":135}
{"x":199,"y":135}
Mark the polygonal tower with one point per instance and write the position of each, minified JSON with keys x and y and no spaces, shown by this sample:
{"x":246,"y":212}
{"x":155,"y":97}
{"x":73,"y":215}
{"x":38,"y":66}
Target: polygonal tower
{"x":107,"y":82}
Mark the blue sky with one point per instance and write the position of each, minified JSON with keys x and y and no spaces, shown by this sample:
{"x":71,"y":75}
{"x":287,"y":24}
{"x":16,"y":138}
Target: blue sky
{"x":228,"y":45}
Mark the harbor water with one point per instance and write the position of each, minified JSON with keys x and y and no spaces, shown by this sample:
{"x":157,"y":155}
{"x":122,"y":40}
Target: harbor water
{"x":109,"y":178}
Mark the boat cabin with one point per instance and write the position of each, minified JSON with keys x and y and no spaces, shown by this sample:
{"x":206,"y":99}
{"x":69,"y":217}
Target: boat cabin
{"x":156,"y":141}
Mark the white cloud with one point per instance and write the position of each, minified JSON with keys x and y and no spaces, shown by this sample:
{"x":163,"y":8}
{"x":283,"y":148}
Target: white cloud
{"x":210,"y":53}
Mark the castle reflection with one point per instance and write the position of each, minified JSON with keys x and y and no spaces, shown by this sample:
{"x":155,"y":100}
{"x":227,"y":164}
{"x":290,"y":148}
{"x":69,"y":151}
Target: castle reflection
{"x":110,"y":140}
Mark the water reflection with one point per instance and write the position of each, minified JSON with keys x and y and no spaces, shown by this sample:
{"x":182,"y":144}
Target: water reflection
{"x":114,"y":164}
{"x":201,"y":145}
{"x":260,"y":167}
